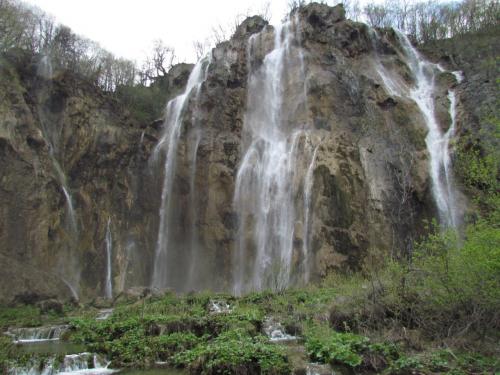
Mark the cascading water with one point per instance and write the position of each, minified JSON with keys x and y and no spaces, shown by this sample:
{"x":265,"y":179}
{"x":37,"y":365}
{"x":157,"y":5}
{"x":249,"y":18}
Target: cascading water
{"x":69,"y":269}
{"x":307,"y":216}
{"x":169,"y":141}
{"x":109,"y":248}
{"x":437,"y":142}
{"x":35,"y":334}
{"x":81,"y":363}
{"x":268,"y":180}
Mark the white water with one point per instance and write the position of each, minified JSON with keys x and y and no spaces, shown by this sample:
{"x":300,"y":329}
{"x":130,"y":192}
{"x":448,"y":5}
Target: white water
{"x":437,"y":141}
{"x":109,"y":248}
{"x":169,"y":141}
{"x":71,"y":364}
{"x":219,"y":307}
{"x":36,"y":334}
{"x":71,"y":209}
{"x":393,"y":85}
{"x":267,"y":182}
{"x":104,"y":314}
{"x":72,"y":289}
{"x":276,"y":332}
{"x":307,"y":216}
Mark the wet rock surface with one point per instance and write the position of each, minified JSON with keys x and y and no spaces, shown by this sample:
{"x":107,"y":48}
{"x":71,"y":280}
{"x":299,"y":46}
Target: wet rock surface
{"x":370,"y":190}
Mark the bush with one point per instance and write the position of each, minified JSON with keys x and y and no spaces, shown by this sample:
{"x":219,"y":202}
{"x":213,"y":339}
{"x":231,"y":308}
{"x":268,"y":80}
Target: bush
{"x":327,"y":346}
{"x":234,"y":351}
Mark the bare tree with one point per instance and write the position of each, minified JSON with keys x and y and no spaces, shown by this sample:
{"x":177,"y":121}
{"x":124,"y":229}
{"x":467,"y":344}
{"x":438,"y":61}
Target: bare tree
{"x":265,"y":11}
{"x":163,"y":57}
{"x":201,"y":48}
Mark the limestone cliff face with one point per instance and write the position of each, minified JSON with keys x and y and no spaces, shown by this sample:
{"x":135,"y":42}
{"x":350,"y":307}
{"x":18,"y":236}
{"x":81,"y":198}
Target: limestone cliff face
{"x":58,"y":132}
{"x":63,"y":143}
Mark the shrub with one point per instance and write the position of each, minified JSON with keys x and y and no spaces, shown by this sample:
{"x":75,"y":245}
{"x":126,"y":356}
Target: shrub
{"x":232,"y":351}
{"x":327,"y":346}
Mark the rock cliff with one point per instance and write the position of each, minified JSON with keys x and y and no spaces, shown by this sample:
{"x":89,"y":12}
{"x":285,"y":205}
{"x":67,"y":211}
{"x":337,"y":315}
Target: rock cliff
{"x":72,"y":160}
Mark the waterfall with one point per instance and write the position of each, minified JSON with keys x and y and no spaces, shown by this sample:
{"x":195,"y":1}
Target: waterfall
{"x":392,"y":85}
{"x":169,"y":141}
{"x":69,"y":269}
{"x":109,"y":247}
{"x":71,"y":210}
{"x":81,"y":363}
{"x":307,"y":215}
{"x":36,"y":334}
{"x":268,"y":178}
{"x":437,"y":142}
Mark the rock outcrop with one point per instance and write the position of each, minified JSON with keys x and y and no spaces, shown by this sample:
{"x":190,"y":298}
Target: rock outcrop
{"x":370,"y":181}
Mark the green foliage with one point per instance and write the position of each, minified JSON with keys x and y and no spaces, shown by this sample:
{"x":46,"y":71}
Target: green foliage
{"x":145,"y":103}
{"x":234,"y":350}
{"x":478,"y":162}
{"x":327,"y":346}
{"x":166,"y":346}
{"x":6,"y":348}
{"x":450,"y":274}
{"x":20,"y":316}
{"x":405,"y":365}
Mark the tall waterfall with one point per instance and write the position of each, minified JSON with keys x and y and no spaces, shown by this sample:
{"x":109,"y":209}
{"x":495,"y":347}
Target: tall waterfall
{"x":69,"y":268}
{"x":437,"y":141}
{"x":169,"y":143}
{"x":269,"y":180}
{"x":108,"y":291}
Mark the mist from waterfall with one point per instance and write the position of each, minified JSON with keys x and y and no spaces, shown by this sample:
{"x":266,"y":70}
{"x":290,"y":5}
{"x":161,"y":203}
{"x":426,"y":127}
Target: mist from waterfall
{"x":168,"y":144}
{"x":269,"y":177}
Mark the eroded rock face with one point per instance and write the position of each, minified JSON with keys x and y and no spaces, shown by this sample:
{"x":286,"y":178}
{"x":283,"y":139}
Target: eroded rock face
{"x":59,"y":133}
{"x":370,"y":188}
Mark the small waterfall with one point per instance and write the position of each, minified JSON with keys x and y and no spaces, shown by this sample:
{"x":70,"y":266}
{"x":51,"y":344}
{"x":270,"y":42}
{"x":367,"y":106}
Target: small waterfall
{"x":81,"y":363}
{"x":169,"y":141}
{"x":193,"y":264}
{"x":71,"y":210}
{"x":437,"y":142}
{"x":109,"y":248}
{"x":104,"y":314}
{"x":393,"y":86}
{"x":307,"y":216}
{"x":275,"y":331}
{"x":219,"y":307}
{"x":44,"y":68}
{"x":268,"y":178}
{"x":36,"y":334}
{"x":72,"y":289}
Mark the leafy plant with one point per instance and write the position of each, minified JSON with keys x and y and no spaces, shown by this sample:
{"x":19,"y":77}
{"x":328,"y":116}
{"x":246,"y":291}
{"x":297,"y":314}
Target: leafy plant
{"x":327,"y":346}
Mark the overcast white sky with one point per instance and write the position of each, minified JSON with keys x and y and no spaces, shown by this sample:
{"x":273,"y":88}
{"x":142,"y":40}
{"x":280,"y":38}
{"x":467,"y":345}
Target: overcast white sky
{"x":127,"y":28}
